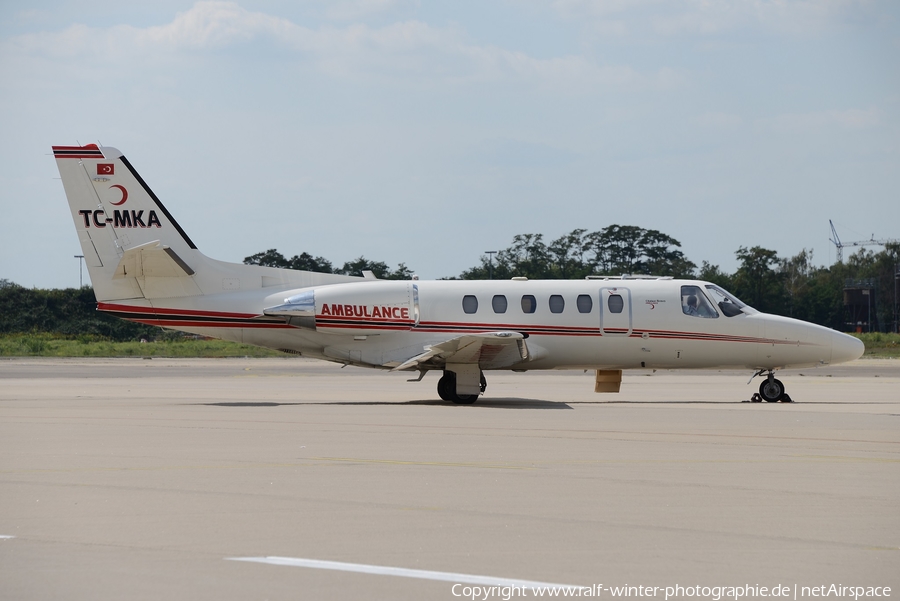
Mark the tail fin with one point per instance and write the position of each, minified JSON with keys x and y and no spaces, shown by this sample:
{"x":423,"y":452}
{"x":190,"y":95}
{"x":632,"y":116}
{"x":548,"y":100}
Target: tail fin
{"x":134,"y":248}
{"x":124,"y":229}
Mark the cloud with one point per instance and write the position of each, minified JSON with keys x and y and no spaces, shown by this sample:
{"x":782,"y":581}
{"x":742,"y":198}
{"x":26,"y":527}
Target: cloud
{"x":348,"y":10}
{"x":211,"y":25}
{"x":592,"y":8}
{"x":848,"y":119}
{"x":709,"y":17}
{"x":409,"y":50}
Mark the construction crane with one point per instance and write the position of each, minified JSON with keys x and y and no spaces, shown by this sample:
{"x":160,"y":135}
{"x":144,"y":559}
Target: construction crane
{"x":870,"y":242}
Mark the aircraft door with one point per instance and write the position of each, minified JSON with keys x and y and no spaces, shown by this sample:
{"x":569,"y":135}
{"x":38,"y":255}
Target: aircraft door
{"x":615,"y":311}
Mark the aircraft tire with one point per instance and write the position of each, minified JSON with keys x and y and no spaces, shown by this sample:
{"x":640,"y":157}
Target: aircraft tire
{"x":771,"y":391}
{"x":447,"y":390}
{"x":445,"y":387}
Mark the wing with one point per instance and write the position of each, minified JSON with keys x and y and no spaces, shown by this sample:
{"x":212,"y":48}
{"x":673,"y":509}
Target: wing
{"x":489,"y":350}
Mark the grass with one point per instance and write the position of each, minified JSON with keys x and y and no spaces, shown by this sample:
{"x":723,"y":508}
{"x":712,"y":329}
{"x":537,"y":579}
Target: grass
{"x":50,"y":345}
{"x":174,"y":345}
{"x":879,"y":344}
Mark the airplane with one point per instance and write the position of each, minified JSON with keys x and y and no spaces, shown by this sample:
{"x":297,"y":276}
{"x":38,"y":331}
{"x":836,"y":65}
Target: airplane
{"x":145,"y":268}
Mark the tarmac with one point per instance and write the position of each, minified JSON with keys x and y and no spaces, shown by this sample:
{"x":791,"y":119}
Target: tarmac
{"x":146,"y":479}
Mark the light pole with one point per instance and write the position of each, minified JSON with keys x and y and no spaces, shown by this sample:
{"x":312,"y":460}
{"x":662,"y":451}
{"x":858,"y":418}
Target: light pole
{"x":867,"y":287}
{"x":896,"y":312}
{"x":80,"y":263}
{"x":490,"y":254}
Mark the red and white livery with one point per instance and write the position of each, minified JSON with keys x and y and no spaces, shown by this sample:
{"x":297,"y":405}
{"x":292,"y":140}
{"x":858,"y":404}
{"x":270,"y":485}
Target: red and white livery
{"x":145,"y":268}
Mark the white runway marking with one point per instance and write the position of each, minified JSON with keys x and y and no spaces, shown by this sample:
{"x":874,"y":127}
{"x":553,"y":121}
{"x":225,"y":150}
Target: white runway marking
{"x":403,"y":572}
{"x":6,"y":536}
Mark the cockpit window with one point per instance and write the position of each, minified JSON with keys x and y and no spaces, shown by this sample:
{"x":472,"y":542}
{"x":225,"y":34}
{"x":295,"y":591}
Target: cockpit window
{"x":728,"y":303}
{"x":695,"y":303}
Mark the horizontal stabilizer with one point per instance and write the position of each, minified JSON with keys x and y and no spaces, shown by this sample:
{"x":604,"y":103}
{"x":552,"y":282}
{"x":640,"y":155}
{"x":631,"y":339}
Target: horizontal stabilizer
{"x":152,"y":259}
{"x":489,"y":350}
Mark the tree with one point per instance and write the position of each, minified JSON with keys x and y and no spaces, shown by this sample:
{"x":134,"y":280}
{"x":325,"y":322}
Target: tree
{"x":530,"y":256}
{"x":567,"y":255}
{"x":796,"y":273}
{"x":715,"y":275}
{"x":822,"y":299}
{"x":378,"y":268}
{"x":756,"y":282}
{"x":503,"y":267}
{"x":879,"y":268}
{"x":269,"y":258}
{"x":627,"y":249}
{"x":614,"y":250}
{"x":303,"y":262}
{"x":68,"y":311}
{"x":661,"y":256}
{"x":306,"y":262}
{"x":401,"y":273}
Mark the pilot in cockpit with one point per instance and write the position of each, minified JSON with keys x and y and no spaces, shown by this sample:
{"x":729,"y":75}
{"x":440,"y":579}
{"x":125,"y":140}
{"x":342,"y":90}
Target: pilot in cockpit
{"x":691,"y":306}
{"x":694,"y":304}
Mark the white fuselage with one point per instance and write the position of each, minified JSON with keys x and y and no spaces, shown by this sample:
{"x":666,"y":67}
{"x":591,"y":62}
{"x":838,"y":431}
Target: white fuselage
{"x":382,"y":323}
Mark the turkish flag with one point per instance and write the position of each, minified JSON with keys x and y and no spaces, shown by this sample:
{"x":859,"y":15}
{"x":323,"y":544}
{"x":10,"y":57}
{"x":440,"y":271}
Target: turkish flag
{"x":106,"y":169}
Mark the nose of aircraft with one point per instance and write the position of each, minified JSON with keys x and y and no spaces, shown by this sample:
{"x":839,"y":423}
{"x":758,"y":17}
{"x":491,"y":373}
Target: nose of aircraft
{"x":845,"y":348}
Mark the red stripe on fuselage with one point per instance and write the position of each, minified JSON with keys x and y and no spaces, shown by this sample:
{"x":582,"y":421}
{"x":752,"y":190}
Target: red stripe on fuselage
{"x":165,"y":311}
{"x":155,"y":316}
{"x":177,"y":324}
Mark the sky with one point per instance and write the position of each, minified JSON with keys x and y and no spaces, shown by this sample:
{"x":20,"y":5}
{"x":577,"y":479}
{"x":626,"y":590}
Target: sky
{"x":429,"y":132}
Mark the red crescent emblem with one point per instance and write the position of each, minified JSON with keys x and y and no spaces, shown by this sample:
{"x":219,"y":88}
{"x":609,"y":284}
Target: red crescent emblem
{"x":124,"y":194}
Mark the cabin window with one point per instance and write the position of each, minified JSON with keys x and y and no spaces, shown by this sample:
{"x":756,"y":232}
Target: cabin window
{"x":470,"y":304}
{"x":695,"y":303}
{"x":557,"y":303}
{"x":585,"y":303}
{"x":615,"y":303}
{"x":529,"y":304}
{"x":499,"y":303}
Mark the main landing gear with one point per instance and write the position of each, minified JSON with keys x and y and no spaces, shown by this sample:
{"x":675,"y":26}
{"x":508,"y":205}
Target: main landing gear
{"x":771,"y":390}
{"x":446,"y":389}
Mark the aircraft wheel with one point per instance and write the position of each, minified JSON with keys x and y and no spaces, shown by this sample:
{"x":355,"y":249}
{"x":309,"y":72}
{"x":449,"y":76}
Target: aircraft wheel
{"x":446,"y":386}
{"x":771,"y":390}
{"x":447,"y":390}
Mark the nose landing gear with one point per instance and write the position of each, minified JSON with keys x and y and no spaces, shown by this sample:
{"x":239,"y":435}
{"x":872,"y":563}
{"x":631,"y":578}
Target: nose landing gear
{"x":771,"y":389}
